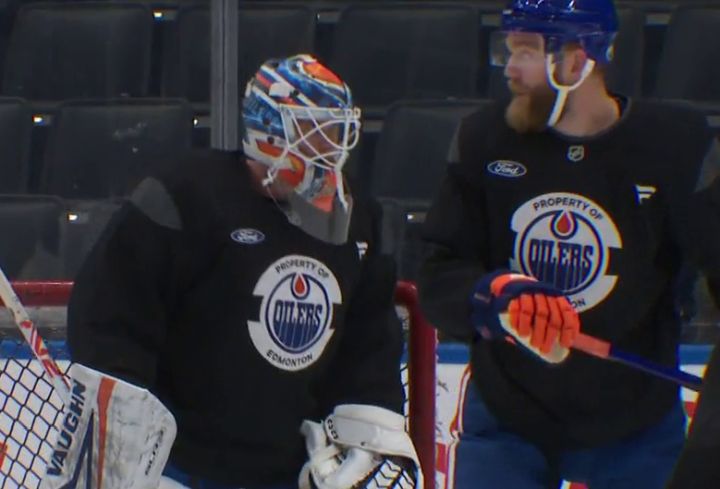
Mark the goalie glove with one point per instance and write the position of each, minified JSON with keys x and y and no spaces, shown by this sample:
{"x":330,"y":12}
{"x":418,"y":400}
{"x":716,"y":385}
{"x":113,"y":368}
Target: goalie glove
{"x":112,"y":435}
{"x":536,"y":315}
{"x":359,"y":446}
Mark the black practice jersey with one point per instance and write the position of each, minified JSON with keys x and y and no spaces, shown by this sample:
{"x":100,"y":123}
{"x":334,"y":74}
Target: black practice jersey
{"x":609,"y":220}
{"x":243,"y":325}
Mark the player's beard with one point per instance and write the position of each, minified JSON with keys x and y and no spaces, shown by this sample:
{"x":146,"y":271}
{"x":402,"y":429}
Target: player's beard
{"x":529,"y":109}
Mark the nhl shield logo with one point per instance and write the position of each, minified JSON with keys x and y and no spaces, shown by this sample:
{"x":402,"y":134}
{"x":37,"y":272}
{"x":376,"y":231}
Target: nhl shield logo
{"x":299,"y":295}
{"x":576,"y":153}
{"x":566,"y":239}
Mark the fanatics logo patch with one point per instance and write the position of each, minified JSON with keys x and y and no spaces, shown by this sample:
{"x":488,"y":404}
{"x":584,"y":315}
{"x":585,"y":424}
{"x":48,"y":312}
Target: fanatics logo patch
{"x":507,"y":168}
{"x":566,"y":239}
{"x":295,"y":324}
{"x":247,"y":236}
{"x":644,"y":192}
{"x":362,"y":248}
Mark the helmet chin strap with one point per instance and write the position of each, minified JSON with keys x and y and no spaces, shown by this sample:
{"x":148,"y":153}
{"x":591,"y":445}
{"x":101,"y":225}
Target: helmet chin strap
{"x":563,"y":90}
{"x":341,"y":193}
{"x":270,"y":176}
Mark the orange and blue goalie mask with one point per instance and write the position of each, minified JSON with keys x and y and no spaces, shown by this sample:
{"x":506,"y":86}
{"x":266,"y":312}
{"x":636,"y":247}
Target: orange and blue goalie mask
{"x":301,"y":123}
{"x":317,"y":144}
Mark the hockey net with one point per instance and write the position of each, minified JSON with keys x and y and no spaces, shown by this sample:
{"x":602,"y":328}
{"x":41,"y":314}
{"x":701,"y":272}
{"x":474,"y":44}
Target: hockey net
{"x":29,"y":407}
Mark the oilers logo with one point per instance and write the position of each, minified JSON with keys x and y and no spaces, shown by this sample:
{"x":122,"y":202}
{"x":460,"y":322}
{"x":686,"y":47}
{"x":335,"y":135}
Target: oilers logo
{"x":565,"y":239}
{"x":296,"y":313}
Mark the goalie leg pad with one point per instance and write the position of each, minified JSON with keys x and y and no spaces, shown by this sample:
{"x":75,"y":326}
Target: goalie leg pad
{"x":112,"y":435}
{"x":360,"y":446}
{"x":168,"y":483}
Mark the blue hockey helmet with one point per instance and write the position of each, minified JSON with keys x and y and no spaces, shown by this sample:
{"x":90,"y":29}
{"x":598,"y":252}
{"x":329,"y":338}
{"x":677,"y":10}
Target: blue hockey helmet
{"x":593,"y":24}
{"x":547,"y":26}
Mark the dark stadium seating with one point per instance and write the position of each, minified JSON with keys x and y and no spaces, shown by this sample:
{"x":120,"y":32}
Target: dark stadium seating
{"x":102,"y":149}
{"x":624,"y":75}
{"x":30,"y":245}
{"x":15,"y":129}
{"x":47,"y":237}
{"x":409,"y":165}
{"x":412,"y":151}
{"x":690,"y":63}
{"x":394,"y":51}
{"x":401,"y":234}
{"x":79,"y":49}
{"x":264,"y":31}
{"x":82,"y":225}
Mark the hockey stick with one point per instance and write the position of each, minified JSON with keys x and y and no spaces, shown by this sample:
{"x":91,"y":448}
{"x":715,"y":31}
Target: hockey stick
{"x":33,"y":338}
{"x":603,"y":349}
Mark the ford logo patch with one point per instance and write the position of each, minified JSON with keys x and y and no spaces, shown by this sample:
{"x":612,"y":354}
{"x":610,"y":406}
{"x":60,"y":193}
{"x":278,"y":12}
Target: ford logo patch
{"x":247,"y":236}
{"x":507,"y":168}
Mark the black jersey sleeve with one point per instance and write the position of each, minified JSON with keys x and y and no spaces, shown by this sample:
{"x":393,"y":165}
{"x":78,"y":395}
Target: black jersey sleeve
{"x":706,"y":200}
{"x":118,"y":311}
{"x":455,"y":236}
{"x":697,"y":216}
{"x":694,"y":469}
{"x":366,"y":367}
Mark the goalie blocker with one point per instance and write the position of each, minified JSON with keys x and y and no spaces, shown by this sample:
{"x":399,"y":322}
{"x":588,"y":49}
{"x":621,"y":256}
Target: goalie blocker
{"x":359,"y":446}
{"x":111,"y":435}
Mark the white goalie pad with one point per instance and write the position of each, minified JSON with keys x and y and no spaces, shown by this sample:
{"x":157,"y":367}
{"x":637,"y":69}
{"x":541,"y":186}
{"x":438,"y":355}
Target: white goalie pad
{"x":168,"y":483}
{"x":112,"y":435}
{"x":359,"y":446}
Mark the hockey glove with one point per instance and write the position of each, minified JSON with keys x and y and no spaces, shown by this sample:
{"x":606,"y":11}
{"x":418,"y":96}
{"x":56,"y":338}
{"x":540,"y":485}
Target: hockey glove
{"x":359,"y":447}
{"x":534,"y":314}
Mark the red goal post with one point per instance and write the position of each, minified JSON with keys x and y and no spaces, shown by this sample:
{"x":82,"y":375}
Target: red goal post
{"x":29,"y":408}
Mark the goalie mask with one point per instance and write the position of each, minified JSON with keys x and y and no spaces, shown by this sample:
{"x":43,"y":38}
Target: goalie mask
{"x":535,"y":31}
{"x":301,"y":123}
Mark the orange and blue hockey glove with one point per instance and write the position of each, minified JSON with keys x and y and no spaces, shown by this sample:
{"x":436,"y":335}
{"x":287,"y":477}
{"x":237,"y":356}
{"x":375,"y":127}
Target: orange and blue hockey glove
{"x":534,"y":314}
